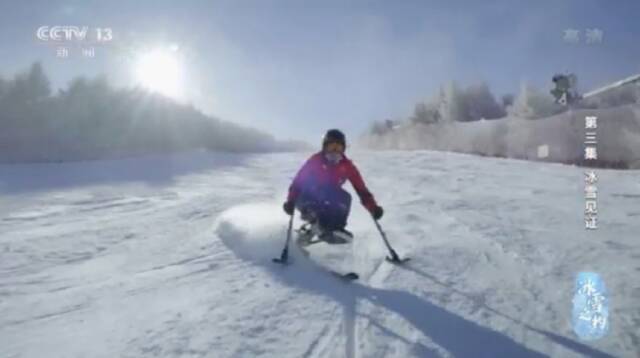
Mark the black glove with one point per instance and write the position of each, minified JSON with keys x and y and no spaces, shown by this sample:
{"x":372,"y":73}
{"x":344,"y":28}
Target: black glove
{"x":377,"y":212}
{"x":289,"y":207}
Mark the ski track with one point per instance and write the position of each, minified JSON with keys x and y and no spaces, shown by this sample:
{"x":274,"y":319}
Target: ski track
{"x":135,"y":269}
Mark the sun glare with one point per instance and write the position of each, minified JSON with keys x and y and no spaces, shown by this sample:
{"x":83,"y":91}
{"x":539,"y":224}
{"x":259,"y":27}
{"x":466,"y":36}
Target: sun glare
{"x":160,"y":71}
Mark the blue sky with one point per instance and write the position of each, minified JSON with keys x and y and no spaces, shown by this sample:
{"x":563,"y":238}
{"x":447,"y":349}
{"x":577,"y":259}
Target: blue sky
{"x":296,"y":68}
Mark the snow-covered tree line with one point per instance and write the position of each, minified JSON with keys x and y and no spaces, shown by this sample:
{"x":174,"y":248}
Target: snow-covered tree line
{"x":528,"y":126}
{"x":476,"y":102}
{"x":92,"y":120}
{"x":473,"y":103}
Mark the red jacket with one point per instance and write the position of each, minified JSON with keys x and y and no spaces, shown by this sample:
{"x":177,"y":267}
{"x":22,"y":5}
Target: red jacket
{"x":317,"y":172}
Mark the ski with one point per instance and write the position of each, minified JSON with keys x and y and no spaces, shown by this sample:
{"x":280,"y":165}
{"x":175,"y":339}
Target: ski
{"x":304,"y":239}
{"x":349,"y":276}
{"x":396,"y":260}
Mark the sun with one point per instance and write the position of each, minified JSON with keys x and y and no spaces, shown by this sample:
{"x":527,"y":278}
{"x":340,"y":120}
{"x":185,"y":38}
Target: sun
{"x":160,"y":71}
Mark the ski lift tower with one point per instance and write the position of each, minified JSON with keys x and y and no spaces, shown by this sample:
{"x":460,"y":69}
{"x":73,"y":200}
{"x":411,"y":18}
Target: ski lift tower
{"x":566,"y":93}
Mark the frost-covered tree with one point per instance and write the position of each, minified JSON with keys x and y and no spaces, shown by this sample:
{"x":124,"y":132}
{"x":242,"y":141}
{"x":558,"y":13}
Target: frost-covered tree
{"x":27,"y":87}
{"x":425,"y":113}
{"x":451,"y":106}
{"x":507,"y":101}
{"x":480,"y":103}
{"x":533,"y":104}
{"x":3,"y":87}
{"x":38,"y":84}
{"x":378,"y":128}
{"x":458,"y":105}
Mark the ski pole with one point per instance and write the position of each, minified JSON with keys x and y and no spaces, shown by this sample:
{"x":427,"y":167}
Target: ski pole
{"x":394,"y":256}
{"x":285,"y":251}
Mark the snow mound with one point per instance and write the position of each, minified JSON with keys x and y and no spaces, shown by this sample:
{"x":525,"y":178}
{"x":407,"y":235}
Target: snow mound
{"x":257,"y":233}
{"x":252,"y":231}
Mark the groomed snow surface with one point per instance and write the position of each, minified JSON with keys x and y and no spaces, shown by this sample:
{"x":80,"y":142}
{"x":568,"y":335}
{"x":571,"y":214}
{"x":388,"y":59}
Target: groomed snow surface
{"x":171,"y":257}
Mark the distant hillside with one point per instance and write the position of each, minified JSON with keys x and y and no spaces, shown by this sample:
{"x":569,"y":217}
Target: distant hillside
{"x":92,"y":120}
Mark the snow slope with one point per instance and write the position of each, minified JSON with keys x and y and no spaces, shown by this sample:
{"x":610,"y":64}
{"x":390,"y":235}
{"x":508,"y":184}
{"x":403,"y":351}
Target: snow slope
{"x":170,"y":257}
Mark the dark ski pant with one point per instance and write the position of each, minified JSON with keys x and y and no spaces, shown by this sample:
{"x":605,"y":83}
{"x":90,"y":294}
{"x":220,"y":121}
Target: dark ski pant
{"x":331,"y":206}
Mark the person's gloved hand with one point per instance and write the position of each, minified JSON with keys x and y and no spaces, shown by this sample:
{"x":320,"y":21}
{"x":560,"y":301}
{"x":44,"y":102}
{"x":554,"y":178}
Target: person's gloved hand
{"x":377,"y":212}
{"x":289,"y":207}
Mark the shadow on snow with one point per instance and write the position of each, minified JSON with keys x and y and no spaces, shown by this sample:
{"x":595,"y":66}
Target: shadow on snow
{"x":153,"y":170}
{"x":457,"y":335}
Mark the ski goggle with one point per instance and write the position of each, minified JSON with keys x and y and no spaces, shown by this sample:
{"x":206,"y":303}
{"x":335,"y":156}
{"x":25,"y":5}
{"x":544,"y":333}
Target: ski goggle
{"x":334,"y":147}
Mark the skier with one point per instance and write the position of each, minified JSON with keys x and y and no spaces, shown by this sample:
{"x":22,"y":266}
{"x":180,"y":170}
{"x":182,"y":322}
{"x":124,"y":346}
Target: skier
{"x":317,"y":192}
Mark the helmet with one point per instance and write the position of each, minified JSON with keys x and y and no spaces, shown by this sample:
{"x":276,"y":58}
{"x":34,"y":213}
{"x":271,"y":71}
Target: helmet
{"x":334,"y":136}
